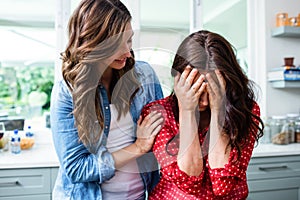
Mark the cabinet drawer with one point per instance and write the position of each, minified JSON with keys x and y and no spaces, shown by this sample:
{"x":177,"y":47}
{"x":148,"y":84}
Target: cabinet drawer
{"x":15,"y":182}
{"x":275,"y":189}
{"x":29,"y":197}
{"x":273,"y":167}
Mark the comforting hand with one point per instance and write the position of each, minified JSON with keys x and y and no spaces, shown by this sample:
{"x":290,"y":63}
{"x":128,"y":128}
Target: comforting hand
{"x":188,"y":88}
{"x":216,"y":91}
{"x":147,"y":129}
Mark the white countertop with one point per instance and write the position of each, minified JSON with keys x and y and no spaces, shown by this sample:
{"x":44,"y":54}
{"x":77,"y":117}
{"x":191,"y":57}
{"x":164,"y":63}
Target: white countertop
{"x":42,"y":154}
{"x":266,"y":150}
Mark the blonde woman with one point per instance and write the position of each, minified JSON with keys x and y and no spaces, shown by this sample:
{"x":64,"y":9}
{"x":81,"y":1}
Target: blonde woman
{"x":101,"y":142}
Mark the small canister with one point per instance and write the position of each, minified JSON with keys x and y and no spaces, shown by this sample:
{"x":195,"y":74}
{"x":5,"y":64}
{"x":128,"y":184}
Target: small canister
{"x":294,"y":21}
{"x":282,"y":19}
{"x":278,"y":133}
{"x":291,"y":120}
{"x":297,"y":131}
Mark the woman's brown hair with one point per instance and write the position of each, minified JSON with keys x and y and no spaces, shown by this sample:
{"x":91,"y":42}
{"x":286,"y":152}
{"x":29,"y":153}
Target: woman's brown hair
{"x":208,"y":51}
{"x":96,"y":31}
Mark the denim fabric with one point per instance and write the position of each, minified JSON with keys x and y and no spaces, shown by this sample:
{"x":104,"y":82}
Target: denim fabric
{"x":81,"y":173}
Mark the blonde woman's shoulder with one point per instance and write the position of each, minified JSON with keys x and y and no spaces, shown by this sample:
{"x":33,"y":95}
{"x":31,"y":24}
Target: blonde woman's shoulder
{"x":143,"y":68}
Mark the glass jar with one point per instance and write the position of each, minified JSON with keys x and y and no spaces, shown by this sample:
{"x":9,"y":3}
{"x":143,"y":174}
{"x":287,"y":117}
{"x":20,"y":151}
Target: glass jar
{"x":282,"y":19}
{"x":266,"y":138}
{"x":297,"y":131}
{"x":278,"y":133}
{"x":291,"y":119}
{"x":294,"y":21}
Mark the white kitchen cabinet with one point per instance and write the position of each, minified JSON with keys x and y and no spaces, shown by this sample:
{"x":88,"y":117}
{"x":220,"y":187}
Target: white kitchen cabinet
{"x":54,"y":172}
{"x":27,"y":183}
{"x":274,"y":177}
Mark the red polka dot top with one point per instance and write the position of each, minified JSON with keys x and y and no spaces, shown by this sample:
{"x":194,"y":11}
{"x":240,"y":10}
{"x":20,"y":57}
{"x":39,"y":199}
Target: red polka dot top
{"x":220,"y":183}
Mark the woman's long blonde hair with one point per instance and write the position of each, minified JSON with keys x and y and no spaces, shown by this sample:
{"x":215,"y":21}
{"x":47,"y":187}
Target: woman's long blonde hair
{"x":95,"y":33}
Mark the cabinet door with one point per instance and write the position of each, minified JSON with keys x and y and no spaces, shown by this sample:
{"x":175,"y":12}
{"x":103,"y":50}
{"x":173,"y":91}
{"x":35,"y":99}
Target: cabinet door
{"x":54,"y":172}
{"x":274,"y":177}
{"x":14,"y":182}
{"x":275,"y":189}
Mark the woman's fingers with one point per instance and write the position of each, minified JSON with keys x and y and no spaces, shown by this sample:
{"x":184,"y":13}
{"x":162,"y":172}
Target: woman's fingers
{"x":157,"y":123}
{"x":176,"y":79}
{"x":150,"y":123}
{"x":191,"y":77}
{"x":212,"y":87}
{"x":186,"y":73}
{"x":187,"y":76}
{"x":152,"y":117}
{"x":221,"y":80}
{"x":201,"y":89}
{"x":139,"y":120}
{"x":196,"y":87}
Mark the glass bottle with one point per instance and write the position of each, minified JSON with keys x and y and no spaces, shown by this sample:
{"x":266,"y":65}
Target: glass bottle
{"x":15,"y":142}
{"x":267,"y":132}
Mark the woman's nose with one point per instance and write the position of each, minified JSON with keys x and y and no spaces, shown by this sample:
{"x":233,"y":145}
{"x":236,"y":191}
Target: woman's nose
{"x":125,"y":50}
{"x":204,"y":99}
{"x":127,"y":54}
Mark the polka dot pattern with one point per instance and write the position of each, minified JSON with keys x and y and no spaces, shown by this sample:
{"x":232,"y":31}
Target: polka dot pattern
{"x":220,"y":183}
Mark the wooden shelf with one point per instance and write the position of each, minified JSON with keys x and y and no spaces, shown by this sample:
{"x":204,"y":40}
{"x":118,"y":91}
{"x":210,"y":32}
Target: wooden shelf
{"x":285,"y":84}
{"x":286,"y":31}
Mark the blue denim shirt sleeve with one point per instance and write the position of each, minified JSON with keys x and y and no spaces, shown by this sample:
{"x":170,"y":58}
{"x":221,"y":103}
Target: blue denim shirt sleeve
{"x":151,"y":88}
{"x":151,"y":91}
{"x":77,"y":162}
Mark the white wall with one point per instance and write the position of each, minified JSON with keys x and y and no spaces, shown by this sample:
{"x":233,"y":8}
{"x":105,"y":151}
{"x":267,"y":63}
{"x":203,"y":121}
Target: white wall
{"x":281,"y":101}
{"x":267,"y":52}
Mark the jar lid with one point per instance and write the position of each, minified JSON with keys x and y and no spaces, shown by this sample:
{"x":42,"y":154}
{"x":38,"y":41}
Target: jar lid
{"x":292,"y":115}
{"x":278,"y":117}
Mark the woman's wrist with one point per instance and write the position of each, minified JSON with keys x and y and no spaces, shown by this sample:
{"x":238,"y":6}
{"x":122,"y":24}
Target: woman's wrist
{"x":139,"y":149}
{"x":187,"y":112}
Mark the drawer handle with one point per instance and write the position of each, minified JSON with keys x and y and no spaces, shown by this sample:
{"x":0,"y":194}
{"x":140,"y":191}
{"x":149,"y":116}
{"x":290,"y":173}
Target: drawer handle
{"x":273,"y":167}
{"x":9,"y":184}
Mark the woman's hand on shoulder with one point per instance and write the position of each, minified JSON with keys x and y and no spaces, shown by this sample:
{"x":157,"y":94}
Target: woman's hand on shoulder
{"x":147,"y":129}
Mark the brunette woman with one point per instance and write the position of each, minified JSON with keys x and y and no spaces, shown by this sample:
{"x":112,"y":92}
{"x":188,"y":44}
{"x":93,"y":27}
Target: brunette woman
{"x":211,"y":123}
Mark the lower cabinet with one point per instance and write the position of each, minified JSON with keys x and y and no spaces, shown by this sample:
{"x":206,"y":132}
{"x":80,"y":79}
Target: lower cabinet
{"x":33,"y":183}
{"x":275,"y":178}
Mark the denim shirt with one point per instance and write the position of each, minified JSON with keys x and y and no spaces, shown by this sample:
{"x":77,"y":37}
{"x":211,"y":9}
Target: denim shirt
{"x":81,"y":172}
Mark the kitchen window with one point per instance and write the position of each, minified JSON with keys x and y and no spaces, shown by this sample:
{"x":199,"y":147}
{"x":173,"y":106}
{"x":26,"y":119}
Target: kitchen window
{"x":29,"y":50}
{"x":27,"y":54}
{"x":34,"y":32}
